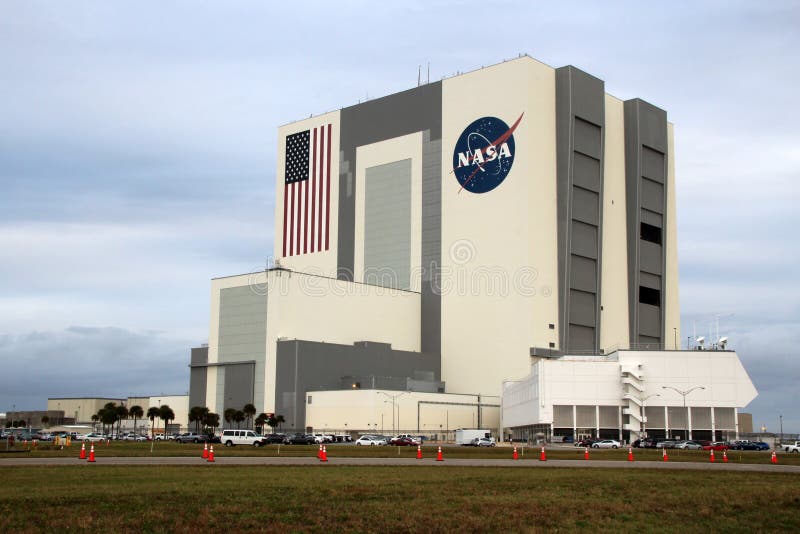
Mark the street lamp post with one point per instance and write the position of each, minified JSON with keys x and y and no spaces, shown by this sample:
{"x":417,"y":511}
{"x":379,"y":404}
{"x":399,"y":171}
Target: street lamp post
{"x":394,"y":398}
{"x":683,"y":394}
{"x":644,"y":413}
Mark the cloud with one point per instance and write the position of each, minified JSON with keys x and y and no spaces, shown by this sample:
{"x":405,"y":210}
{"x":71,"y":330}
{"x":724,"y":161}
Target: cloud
{"x":84,"y":361}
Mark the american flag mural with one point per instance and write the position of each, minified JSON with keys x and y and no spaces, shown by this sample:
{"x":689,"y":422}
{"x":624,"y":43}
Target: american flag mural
{"x":307,"y":192}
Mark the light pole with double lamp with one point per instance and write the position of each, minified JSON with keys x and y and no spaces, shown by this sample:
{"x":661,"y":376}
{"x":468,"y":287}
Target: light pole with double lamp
{"x":644,"y":413}
{"x":393,"y":397}
{"x":683,"y":394}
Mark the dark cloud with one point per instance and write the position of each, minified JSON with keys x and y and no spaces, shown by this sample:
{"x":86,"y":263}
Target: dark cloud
{"x":84,"y":361}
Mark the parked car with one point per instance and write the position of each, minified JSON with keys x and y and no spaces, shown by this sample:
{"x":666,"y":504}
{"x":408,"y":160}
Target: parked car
{"x":191,"y":437}
{"x":762,"y":446}
{"x":744,"y":446}
{"x":666,"y":444}
{"x":586,"y":442}
{"x":231,"y":438}
{"x":791,"y":447}
{"x":568,"y":439}
{"x":689,"y":445}
{"x":403,"y":441}
{"x":606,"y":444}
{"x":484,"y":442}
{"x":370,"y":440}
{"x":299,"y":439}
{"x":94,"y":436}
{"x":274,"y":438}
{"x":716,"y":446}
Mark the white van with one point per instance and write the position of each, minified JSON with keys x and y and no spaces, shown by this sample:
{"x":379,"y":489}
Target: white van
{"x":241,"y":437}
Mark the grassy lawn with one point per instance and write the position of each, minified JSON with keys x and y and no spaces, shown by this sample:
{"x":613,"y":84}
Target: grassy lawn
{"x":122,"y":448}
{"x":390,"y":499}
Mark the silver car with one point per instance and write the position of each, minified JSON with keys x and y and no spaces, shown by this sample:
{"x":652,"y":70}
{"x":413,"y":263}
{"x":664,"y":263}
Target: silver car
{"x":606,"y":444}
{"x":689,"y":445}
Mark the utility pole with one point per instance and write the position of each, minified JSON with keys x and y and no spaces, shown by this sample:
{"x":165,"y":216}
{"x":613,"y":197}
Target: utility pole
{"x":685,"y":413}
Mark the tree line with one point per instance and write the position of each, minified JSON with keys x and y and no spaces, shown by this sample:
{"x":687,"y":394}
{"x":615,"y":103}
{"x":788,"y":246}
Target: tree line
{"x":247,"y":415}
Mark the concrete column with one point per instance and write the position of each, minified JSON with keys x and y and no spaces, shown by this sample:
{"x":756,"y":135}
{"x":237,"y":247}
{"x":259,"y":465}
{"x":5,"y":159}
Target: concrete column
{"x":666,"y":421}
{"x":597,"y":420}
{"x":689,"y":421}
{"x":736,"y":421}
{"x":575,"y":422}
{"x":713,"y":426}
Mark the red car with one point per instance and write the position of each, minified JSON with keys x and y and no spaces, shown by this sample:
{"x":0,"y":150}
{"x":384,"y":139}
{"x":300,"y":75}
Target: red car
{"x":716,"y":446}
{"x":403,"y":441}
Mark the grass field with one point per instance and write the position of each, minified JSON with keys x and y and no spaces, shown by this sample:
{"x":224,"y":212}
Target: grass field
{"x":392,"y":499}
{"x":122,"y":448}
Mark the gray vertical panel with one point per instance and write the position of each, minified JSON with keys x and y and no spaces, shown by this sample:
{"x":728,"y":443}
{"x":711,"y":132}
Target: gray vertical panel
{"x":415,"y":110}
{"x":387,"y":225}
{"x":562,"y":416}
{"x":580,"y":131}
{"x":586,"y":416}
{"x":645,"y":166}
{"x":243,"y":333}
{"x":238,"y":386}
{"x":198,"y":377}
{"x":431,"y":244}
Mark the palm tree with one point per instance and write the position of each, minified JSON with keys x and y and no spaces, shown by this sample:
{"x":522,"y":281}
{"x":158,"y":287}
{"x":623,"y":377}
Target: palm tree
{"x":197,"y":415}
{"x":238,"y":417}
{"x":249,"y":412}
{"x":229,"y":414}
{"x":45,"y":420}
{"x":135,"y":412}
{"x":261,"y":421}
{"x":211,"y":420}
{"x":122,"y":413}
{"x":152,"y":414}
{"x":280,"y":420}
{"x":95,"y":419}
{"x":166,"y":413}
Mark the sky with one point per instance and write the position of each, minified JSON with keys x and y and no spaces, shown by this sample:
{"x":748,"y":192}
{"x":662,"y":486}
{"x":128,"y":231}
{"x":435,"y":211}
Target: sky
{"x":138,"y":145}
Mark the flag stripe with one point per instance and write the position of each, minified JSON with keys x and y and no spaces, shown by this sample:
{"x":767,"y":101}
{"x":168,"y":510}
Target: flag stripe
{"x":328,"y":194}
{"x":313,"y":198}
{"x":284,"y":220}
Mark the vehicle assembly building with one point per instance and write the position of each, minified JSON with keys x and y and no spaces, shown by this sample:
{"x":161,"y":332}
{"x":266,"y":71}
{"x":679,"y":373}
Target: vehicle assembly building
{"x":435,"y":246}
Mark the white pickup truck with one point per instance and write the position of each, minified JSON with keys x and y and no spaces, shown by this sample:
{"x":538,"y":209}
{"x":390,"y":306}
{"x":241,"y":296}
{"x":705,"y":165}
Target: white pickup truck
{"x":794,"y":447}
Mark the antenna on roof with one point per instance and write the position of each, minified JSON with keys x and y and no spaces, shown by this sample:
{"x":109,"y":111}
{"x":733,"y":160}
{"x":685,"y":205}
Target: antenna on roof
{"x":419,"y":76}
{"x":429,"y":72}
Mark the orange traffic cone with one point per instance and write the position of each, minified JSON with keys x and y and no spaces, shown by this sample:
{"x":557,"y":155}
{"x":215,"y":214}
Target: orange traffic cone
{"x":630,"y":454}
{"x":774,"y":459}
{"x":83,"y":452}
{"x":419,"y":452}
{"x":586,"y":453}
{"x":91,"y":454}
{"x":319,"y":452}
{"x":211,"y":454}
{"x":324,"y":454}
{"x":439,"y":457}
{"x":205,"y":451}
{"x":516,"y":455}
{"x":711,"y":458}
{"x":542,"y":456}
{"x":725,"y":456}
{"x":664,"y":454}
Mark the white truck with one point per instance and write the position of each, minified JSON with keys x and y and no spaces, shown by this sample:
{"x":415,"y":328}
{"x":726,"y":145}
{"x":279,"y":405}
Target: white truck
{"x":793,"y":447}
{"x":465,"y":436}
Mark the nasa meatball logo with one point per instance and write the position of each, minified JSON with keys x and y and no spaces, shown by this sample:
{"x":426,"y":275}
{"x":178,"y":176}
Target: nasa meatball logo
{"x":484,"y":154}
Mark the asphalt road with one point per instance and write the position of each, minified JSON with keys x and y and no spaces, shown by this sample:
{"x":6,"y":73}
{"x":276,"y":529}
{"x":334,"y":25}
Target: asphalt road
{"x":455,"y":462}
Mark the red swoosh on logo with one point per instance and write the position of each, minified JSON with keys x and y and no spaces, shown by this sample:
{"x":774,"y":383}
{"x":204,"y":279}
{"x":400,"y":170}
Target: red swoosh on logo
{"x":500,"y":140}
